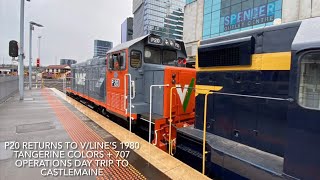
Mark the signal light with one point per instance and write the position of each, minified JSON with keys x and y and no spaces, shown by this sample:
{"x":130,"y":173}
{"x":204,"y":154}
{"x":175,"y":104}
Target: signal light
{"x":38,"y":62}
{"x":13,"y":49}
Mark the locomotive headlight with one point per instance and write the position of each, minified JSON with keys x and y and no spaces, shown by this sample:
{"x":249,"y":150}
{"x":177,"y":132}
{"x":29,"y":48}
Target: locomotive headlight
{"x":177,"y":45}
{"x":166,"y":42}
{"x":171,"y":43}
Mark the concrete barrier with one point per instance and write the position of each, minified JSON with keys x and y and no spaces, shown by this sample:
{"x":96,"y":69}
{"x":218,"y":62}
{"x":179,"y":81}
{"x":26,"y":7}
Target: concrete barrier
{"x":8,"y":86}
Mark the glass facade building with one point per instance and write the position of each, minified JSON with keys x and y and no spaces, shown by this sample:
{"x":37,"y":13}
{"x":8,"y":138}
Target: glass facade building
{"x":221,"y":17}
{"x":101,"y":48}
{"x":161,"y":17}
{"x":189,"y":1}
{"x":127,"y":30}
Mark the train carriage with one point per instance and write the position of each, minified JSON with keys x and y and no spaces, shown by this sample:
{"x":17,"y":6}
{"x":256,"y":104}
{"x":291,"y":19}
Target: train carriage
{"x":258,"y":103}
{"x":131,"y":71}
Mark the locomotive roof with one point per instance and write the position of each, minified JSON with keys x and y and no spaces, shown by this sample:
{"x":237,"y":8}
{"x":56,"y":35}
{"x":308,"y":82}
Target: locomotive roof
{"x":93,"y":61}
{"x":126,"y":44}
{"x":279,"y":38}
{"x":308,"y":35}
{"x":269,"y":39}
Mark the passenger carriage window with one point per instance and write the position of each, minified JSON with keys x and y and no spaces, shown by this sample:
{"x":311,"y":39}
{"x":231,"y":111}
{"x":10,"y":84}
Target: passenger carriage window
{"x":169,"y":57}
{"x":135,"y":59}
{"x":309,"y":88}
{"x":152,"y":55}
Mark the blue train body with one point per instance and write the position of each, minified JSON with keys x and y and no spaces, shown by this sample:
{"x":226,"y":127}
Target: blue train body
{"x":264,"y":123}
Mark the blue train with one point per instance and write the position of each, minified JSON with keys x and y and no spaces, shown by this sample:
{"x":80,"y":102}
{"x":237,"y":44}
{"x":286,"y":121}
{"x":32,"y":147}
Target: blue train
{"x":258,"y":102}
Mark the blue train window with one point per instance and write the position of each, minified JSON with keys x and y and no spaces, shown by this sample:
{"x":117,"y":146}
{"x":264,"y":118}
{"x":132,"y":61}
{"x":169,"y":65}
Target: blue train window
{"x":309,"y":88}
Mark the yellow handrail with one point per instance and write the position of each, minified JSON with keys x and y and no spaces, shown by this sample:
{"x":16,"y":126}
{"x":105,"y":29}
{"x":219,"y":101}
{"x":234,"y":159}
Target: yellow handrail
{"x":204,"y":152}
{"x":206,"y":90}
{"x":170,"y":121}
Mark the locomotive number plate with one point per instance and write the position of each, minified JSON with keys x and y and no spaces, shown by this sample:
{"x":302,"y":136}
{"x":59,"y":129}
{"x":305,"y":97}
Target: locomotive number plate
{"x":115,"y":83}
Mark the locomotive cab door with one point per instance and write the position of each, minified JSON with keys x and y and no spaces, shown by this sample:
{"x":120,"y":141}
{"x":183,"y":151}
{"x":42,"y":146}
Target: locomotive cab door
{"x":117,"y":68}
{"x":302,"y":158}
{"x":137,"y":74}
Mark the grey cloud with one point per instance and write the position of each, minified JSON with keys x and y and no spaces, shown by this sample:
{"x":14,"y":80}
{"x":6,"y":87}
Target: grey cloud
{"x":70,"y":26}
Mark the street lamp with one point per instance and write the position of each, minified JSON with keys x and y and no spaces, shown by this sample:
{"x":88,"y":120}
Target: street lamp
{"x":32,"y":24}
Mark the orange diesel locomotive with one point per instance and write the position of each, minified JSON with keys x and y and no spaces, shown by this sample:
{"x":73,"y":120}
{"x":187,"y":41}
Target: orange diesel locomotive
{"x":145,"y":79}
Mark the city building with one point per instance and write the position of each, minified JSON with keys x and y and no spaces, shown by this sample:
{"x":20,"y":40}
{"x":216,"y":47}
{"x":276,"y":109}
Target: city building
{"x":67,"y":62}
{"x":161,"y":17}
{"x":189,"y":1}
{"x":127,"y":30}
{"x":222,"y":17}
{"x":56,"y":71}
{"x":192,"y":29}
{"x":8,"y":69}
{"x":101,"y":48}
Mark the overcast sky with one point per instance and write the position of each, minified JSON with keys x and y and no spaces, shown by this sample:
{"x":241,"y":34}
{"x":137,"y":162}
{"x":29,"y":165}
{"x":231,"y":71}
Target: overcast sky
{"x":70,"y":26}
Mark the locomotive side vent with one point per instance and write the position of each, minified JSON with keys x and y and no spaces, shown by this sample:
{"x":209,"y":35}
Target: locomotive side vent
{"x":227,"y":53}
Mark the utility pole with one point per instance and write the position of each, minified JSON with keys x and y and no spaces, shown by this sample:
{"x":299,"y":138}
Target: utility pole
{"x":21,"y":55}
{"x":30,"y":57}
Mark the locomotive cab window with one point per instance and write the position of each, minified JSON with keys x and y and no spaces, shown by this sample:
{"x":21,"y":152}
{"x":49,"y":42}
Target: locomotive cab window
{"x":122,"y":60}
{"x":135,"y":59}
{"x":169,"y":57}
{"x":110,"y":62}
{"x":309,"y":86}
{"x":117,"y":61}
{"x":152,"y":55}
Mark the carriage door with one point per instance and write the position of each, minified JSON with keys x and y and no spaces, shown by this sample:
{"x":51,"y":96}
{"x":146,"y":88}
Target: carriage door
{"x":302,"y":158}
{"x":117,"y":68}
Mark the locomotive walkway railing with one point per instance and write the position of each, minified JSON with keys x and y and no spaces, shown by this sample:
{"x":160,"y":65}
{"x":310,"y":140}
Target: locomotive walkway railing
{"x":258,"y":97}
{"x":207,"y":92}
{"x":170,"y":121}
{"x":150,"y":113}
{"x":126,"y":97}
{"x":204,"y":152}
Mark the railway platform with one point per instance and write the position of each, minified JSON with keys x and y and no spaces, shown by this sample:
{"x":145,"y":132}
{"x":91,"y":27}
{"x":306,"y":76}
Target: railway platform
{"x":47,"y":115}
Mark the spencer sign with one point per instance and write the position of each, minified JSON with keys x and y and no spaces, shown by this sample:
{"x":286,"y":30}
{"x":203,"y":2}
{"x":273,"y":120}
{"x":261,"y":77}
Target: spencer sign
{"x":250,"y":17}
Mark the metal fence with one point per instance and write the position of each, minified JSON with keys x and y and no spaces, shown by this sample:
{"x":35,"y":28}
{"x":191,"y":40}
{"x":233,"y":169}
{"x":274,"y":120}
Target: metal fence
{"x":8,"y":86}
{"x":54,"y":83}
